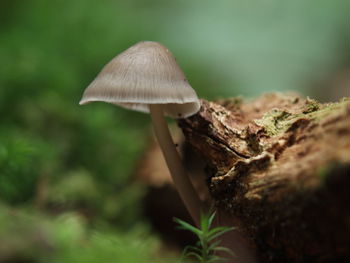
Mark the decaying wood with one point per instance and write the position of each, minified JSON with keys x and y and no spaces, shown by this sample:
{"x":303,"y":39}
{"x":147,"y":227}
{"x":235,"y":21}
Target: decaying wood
{"x":280,"y":164}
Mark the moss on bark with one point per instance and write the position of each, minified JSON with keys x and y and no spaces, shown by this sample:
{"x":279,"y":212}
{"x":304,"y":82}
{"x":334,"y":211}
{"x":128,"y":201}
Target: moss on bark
{"x":280,"y":164}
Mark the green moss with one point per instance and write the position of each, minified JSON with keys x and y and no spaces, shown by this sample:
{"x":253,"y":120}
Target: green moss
{"x":326,"y":110}
{"x":278,"y":121}
{"x":274,"y":121}
{"x":311,"y":106}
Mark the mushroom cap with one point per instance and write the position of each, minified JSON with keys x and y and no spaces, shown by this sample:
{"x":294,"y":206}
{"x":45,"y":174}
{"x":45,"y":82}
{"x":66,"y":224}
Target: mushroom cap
{"x":146,"y":73}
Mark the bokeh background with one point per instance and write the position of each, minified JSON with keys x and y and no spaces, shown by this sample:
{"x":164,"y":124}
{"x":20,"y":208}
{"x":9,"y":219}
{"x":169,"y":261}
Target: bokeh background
{"x":67,"y":190}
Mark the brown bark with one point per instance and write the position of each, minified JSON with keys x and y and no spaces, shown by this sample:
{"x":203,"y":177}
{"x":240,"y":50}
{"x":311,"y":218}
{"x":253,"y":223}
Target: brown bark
{"x":279,"y":165}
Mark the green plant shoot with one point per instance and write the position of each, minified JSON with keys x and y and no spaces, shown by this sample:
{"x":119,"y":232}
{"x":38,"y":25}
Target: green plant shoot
{"x":208,"y":242}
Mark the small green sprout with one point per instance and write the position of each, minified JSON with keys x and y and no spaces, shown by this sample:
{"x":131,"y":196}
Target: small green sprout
{"x":204,"y":250}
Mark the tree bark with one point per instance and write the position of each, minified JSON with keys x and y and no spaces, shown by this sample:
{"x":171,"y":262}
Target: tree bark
{"x":279,"y":166}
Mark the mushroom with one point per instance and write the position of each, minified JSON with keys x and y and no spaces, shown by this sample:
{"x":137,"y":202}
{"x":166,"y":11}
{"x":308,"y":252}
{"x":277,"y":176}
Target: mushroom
{"x":146,"y":78}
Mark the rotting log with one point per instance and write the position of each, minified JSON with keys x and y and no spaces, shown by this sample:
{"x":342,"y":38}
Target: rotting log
{"x":280,"y":166}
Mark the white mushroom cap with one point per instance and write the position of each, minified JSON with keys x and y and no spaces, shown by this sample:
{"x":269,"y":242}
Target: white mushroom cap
{"x":146,"y":73}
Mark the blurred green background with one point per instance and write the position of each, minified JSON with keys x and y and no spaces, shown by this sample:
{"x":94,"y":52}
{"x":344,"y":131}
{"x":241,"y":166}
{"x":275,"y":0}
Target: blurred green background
{"x":66,"y":193}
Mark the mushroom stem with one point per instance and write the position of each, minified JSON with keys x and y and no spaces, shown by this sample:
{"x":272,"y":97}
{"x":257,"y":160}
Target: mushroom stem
{"x":175,"y":166}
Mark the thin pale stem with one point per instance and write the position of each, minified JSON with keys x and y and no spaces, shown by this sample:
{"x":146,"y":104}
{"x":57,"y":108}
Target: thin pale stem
{"x":173,"y":160}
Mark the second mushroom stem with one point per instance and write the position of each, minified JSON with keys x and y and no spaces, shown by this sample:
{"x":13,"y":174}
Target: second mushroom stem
{"x":175,"y":165}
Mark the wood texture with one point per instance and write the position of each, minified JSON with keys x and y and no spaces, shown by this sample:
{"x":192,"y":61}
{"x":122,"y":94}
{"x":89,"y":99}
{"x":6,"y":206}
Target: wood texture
{"x":280,"y":166}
